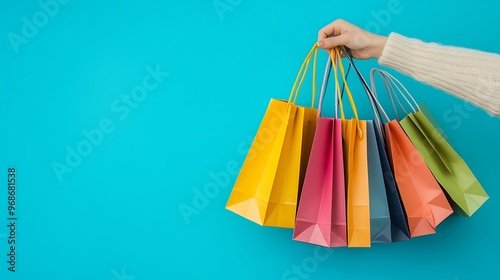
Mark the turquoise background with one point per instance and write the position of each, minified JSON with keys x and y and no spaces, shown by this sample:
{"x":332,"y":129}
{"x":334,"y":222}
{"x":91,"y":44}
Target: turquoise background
{"x":117,"y":215}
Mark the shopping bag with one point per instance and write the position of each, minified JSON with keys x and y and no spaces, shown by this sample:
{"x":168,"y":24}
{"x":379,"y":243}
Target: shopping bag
{"x":423,"y":199}
{"x":399,"y":226}
{"x":267,"y":186}
{"x":380,"y":220}
{"x":321,"y":212}
{"x":358,"y":199}
{"x":354,"y":135}
{"x":446,"y":165}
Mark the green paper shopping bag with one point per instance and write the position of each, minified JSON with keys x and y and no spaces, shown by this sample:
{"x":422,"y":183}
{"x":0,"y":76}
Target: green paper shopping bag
{"x":446,"y":165}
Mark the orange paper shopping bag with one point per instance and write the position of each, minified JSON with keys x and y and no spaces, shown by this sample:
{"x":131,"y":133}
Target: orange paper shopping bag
{"x":356,"y":170}
{"x":358,"y":199}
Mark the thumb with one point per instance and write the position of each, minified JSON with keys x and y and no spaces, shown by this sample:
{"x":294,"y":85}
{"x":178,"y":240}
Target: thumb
{"x":333,"y":42}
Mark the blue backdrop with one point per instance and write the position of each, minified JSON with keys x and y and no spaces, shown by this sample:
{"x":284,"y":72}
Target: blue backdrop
{"x":120,"y":116}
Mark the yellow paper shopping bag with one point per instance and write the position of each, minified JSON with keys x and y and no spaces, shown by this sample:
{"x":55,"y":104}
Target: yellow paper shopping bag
{"x":356,"y":168}
{"x":267,"y":188}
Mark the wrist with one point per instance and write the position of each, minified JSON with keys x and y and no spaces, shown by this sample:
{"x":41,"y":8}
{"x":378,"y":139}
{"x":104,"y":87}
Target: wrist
{"x":378,"y":44}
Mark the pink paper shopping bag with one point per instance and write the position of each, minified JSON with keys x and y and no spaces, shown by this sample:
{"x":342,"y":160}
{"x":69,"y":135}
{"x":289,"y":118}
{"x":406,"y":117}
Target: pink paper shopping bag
{"x":321,"y":214}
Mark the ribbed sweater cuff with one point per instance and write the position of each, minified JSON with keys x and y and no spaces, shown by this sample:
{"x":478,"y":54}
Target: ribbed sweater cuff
{"x":468,"y":74}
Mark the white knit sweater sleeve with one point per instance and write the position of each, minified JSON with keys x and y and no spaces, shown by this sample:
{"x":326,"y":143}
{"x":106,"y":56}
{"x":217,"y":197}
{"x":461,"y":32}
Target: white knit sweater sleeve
{"x":468,"y":74}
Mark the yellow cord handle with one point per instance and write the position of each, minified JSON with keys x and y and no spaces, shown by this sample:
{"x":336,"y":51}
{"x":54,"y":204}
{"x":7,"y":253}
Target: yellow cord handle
{"x":302,"y":74}
{"x":336,"y":57}
{"x":351,"y":99}
{"x":333,"y":57}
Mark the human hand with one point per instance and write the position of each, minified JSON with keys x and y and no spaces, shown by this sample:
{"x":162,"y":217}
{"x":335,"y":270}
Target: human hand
{"x":363,"y":44}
